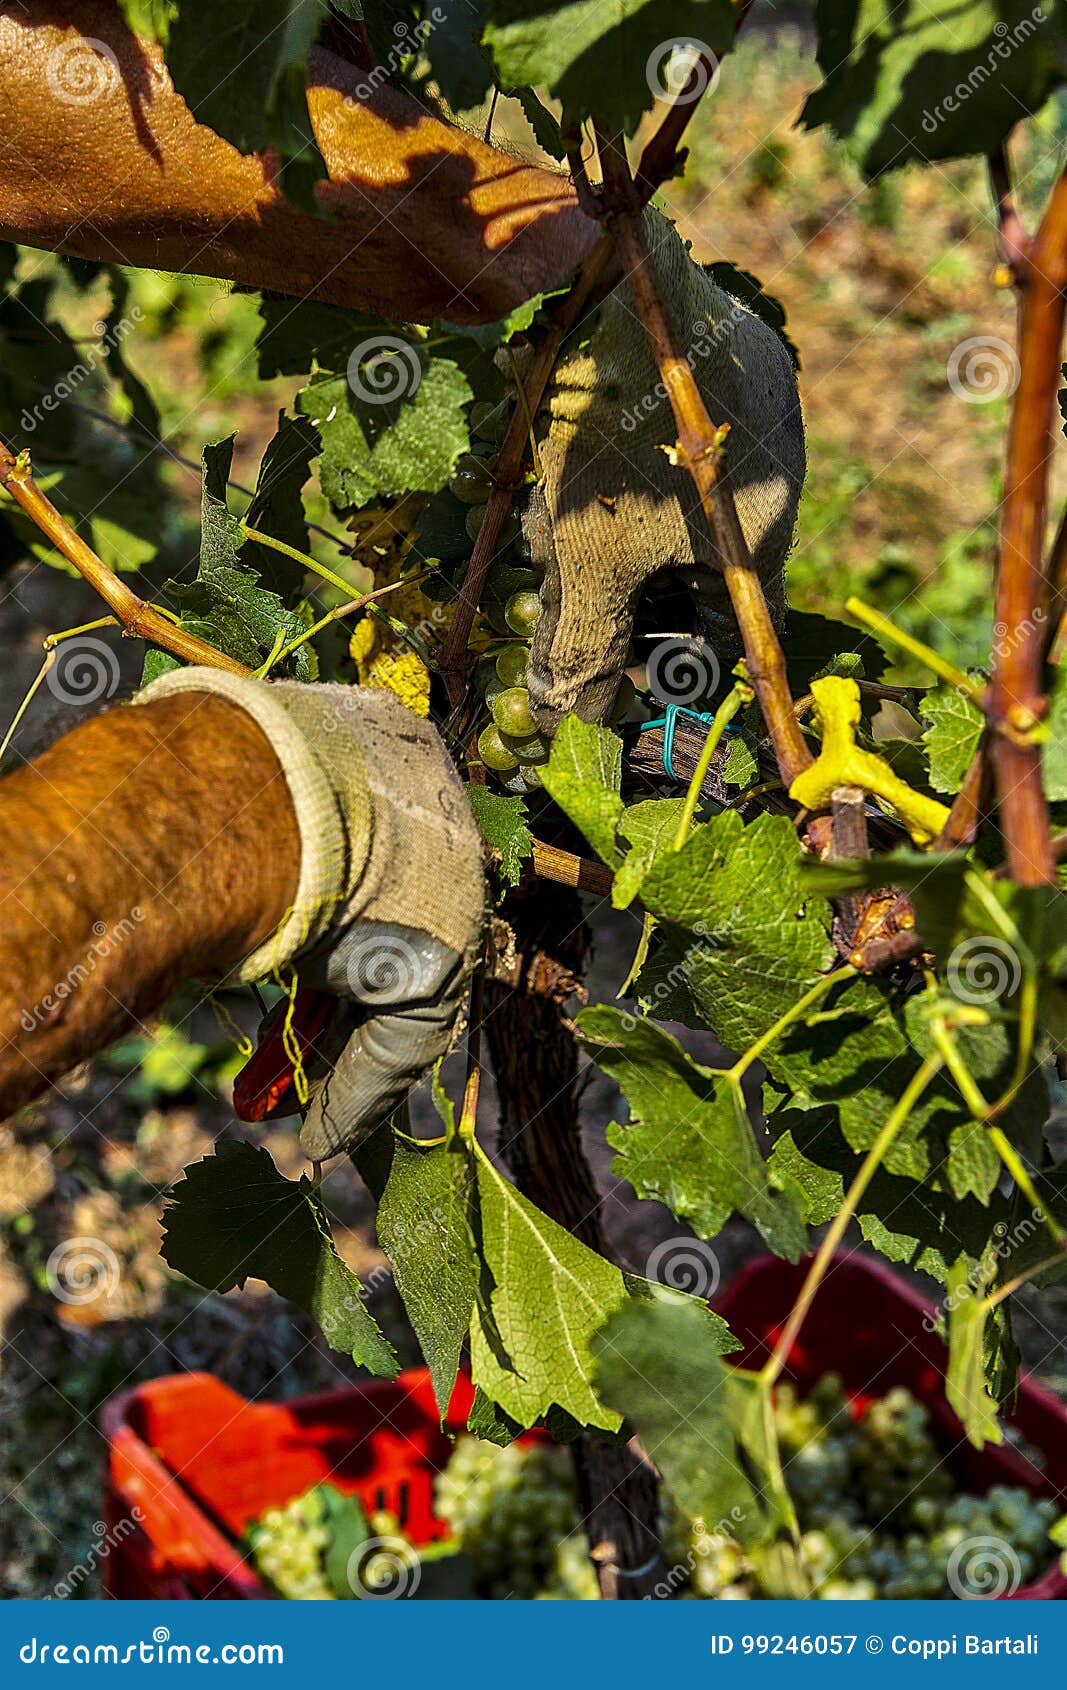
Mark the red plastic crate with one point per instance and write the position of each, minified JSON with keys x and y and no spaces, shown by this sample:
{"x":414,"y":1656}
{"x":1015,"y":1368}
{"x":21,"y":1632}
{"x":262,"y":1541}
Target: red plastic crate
{"x":199,"y":1462}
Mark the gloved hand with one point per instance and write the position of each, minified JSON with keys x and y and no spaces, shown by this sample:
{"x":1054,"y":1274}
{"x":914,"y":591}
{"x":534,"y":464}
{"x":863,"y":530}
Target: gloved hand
{"x":389,"y":909}
{"x":611,"y":511}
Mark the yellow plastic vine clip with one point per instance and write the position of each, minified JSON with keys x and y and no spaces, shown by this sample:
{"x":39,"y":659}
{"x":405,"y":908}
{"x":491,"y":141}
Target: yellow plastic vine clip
{"x":842,"y":762}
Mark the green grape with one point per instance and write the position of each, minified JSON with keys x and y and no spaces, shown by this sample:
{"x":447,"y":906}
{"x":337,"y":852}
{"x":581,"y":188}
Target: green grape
{"x":512,"y":664}
{"x":530,"y":750}
{"x":474,"y":520}
{"x":471,"y":481}
{"x":518,"y":782}
{"x":489,"y":421}
{"x":494,"y":753}
{"x":522,"y":611}
{"x":511,"y":713}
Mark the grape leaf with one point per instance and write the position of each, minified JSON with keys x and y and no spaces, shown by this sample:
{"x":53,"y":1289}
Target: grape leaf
{"x":905,"y":1221}
{"x":226,"y":605}
{"x":373,"y":447}
{"x":689,"y":1142}
{"x":584,"y":777}
{"x":1054,"y":750}
{"x":952,"y":737}
{"x":543,"y":1294}
{"x":457,"y":64}
{"x":761,"y":942}
{"x":424,"y":1226}
{"x":503,"y":824}
{"x":649,"y":827}
{"x":547,"y":132}
{"x":609,"y":60}
{"x":277,"y":508}
{"x":965,"y":1376}
{"x":235,"y":1217}
{"x":740,"y":767}
{"x":243,"y":71}
{"x":660,"y":1365}
{"x":932,"y":79}
{"x":298,"y":334}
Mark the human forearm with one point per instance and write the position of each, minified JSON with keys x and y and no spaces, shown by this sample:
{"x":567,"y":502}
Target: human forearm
{"x":147,"y":847}
{"x":130,"y":176}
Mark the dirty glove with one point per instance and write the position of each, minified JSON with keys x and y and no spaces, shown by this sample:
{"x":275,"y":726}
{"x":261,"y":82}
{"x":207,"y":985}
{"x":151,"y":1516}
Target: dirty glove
{"x":389,"y":907}
{"x":611,"y":511}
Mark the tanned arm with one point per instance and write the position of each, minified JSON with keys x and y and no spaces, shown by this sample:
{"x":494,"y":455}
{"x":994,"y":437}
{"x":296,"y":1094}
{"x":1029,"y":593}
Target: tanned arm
{"x":147,"y":847}
{"x":423,"y":220}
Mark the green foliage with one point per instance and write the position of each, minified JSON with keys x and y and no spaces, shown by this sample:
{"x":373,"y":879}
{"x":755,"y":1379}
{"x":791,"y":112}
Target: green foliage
{"x":234,"y":1217}
{"x":503,"y":822}
{"x":243,"y":73}
{"x":226,"y":605}
{"x":659,"y":1363}
{"x":689,"y":1142}
{"x":911,"y":81}
{"x":596,"y":59}
{"x":952,"y":737}
{"x":965,"y":1381}
{"x":373,"y":445}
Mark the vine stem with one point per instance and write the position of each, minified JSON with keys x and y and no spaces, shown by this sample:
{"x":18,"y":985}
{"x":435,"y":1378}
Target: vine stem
{"x":699,"y":451}
{"x":304,"y":559}
{"x":136,"y":616}
{"x":1016,"y":702}
{"x":794,"y":1013}
{"x":772,"y":1370}
{"x":933,"y":660}
{"x":723,"y":716}
{"x":1014,"y":1164}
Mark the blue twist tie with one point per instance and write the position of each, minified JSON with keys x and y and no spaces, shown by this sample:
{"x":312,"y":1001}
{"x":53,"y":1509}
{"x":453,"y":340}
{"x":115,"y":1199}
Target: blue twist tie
{"x":668,"y":722}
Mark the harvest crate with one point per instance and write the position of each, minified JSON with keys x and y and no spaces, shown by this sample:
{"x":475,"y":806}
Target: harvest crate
{"x":199,"y":1462}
